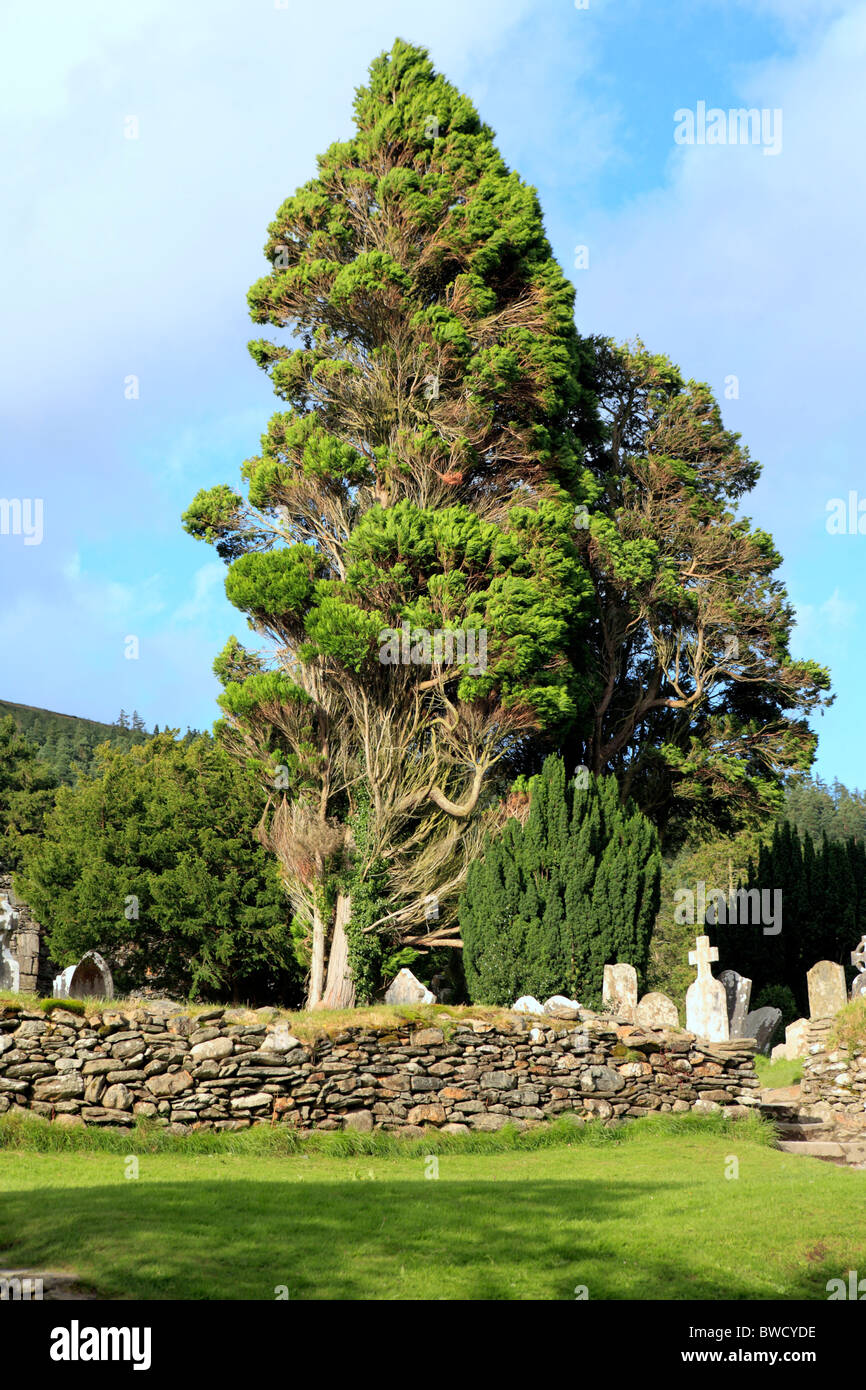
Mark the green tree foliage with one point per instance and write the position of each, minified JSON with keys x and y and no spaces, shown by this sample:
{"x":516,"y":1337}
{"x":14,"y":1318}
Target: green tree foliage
{"x":421,"y":478}
{"x":27,"y":789}
{"x":720,"y":864}
{"x":554,"y":900}
{"x":699,"y":708}
{"x":154,"y":863}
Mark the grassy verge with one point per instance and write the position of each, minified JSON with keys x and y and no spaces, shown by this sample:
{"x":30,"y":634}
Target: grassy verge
{"x":666,"y":1208}
{"x":29,"y":1134}
{"x":849,"y":1028}
{"x":778,"y":1073}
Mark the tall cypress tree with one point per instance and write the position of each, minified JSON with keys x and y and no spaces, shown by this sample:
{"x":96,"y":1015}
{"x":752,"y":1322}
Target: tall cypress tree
{"x":421,"y":478}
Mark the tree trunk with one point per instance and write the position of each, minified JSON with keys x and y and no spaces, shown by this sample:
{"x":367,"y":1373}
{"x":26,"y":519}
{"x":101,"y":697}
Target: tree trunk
{"x":317,"y":963}
{"x":340,"y":987}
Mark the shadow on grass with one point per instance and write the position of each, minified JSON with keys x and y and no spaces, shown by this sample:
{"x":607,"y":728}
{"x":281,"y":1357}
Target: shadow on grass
{"x":380,"y":1239}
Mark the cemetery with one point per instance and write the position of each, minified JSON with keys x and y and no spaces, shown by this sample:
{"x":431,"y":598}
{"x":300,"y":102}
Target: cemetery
{"x":227,"y":1069}
{"x":400,"y":977}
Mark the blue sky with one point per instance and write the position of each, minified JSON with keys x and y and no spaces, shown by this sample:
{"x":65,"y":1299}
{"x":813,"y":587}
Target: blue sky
{"x":131,"y":258}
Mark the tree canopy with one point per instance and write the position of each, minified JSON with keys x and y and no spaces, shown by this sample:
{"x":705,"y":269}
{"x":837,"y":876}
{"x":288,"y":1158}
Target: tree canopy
{"x":154,"y":863}
{"x":27,"y":787}
{"x":699,"y":709}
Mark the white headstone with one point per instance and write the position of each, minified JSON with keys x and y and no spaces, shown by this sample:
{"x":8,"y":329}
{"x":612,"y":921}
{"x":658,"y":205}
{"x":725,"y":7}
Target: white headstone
{"x":858,"y":959}
{"x":527,"y":1004}
{"x":619,"y":990}
{"x":10,"y":971}
{"x":406,"y":989}
{"x":280,"y":1039}
{"x":706,"y":1000}
{"x":796,"y":1039}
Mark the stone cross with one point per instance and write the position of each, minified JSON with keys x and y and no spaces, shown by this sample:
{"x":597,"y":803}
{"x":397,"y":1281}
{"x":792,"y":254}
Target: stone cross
{"x":702,"y":957}
{"x":706,"y":1000}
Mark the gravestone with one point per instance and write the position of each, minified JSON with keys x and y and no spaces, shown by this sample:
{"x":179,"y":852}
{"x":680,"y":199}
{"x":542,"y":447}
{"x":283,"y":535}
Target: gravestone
{"x":619,"y":990}
{"x":10,"y":973}
{"x":858,"y":958}
{"x":738,"y":991}
{"x":706,"y":999}
{"x":280,"y":1039}
{"x":558,"y":1006}
{"x":89,"y":979}
{"x":828,"y":992}
{"x":406,"y":989}
{"x":656,"y":1010}
{"x":527,"y":1004}
{"x":796,"y":1039}
{"x":761,"y":1025}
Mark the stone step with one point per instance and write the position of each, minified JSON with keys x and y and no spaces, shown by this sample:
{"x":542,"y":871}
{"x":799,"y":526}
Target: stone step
{"x":780,"y":1112}
{"x":814,"y":1148}
{"x":804,"y":1128}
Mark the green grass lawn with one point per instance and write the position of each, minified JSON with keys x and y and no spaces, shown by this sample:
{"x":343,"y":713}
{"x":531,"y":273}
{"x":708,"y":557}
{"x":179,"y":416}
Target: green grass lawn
{"x":778,"y":1073}
{"x":647,"y":1213}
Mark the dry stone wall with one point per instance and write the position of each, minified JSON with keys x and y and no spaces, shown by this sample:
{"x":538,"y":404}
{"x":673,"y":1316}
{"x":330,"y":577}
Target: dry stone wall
{"x":826,"y":1118}
{"x":834,"y":1079}
{"x":229,"y":1068}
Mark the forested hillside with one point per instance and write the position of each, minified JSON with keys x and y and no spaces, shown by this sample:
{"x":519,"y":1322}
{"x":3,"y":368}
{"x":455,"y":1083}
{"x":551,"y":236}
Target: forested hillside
{"x":66,"y":742}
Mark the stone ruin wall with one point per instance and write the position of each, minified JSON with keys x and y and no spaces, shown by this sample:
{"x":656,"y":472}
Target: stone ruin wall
{"x":22,"y":936}
{"x":230,"y":1068}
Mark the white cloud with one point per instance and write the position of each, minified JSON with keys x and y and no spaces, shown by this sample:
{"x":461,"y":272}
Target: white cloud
{"x":109,"y":600}
{"x":751,"y":266}
{"x":207,"y":581}
{"x":836,"y":614}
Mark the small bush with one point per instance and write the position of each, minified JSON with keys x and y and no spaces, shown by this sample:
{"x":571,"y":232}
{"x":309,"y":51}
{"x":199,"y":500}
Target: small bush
{"x":778,"y":997}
